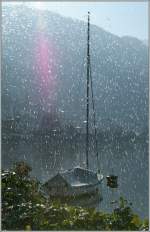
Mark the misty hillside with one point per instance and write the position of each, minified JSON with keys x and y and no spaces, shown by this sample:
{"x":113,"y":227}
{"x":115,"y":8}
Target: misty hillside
{"x":44,"y":70}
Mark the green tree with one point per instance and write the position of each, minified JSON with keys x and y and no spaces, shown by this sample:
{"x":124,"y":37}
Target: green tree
{"x":25,"y":208}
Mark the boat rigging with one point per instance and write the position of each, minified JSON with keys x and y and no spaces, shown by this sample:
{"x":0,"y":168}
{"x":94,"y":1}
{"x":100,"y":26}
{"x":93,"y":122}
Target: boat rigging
{"x":79,"y":181}
{"x":90,"y":85}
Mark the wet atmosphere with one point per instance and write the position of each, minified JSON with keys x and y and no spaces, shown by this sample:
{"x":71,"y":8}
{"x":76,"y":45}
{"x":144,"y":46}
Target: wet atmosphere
{"x":44,"y":101}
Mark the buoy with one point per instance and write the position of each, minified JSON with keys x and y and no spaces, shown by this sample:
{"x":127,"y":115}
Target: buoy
{"x":112,"y":181}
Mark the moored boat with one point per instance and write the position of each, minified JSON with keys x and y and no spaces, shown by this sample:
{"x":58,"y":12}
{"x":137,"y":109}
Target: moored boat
{"x":73,"y":183}
{"x":79,"y":183}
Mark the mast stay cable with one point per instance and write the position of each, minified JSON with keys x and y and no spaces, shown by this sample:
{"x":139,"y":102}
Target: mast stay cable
{"x":94,"y":119}
{"x":90,"y":84}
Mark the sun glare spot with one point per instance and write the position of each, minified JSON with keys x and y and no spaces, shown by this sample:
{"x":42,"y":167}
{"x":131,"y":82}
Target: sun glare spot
{"x":39,"y":5}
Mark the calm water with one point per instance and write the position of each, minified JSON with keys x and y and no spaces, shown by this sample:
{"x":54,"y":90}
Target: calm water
{"x":129,"y":162}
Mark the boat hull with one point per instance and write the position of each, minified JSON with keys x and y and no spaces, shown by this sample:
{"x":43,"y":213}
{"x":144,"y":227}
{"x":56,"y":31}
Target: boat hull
{"x":78,"y":186}
{"x":79,"y":196}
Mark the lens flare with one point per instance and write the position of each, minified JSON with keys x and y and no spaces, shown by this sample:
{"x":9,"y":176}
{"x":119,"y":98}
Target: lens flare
{"x":45,"y":63}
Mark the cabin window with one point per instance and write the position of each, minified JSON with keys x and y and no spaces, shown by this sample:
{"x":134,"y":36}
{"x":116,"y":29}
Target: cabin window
{"x":65,"y":188}
{"x":53,"y":190}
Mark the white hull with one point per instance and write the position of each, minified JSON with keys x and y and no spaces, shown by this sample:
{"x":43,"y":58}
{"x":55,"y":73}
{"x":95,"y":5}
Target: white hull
{"x":77,"y":183}
{"x":76,"y":191}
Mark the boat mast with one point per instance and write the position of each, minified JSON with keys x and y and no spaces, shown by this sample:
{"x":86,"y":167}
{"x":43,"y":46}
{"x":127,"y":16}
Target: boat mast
{"x":87,"y":97}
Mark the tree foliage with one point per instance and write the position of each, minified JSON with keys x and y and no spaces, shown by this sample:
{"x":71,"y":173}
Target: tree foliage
{"x":25,"y":208}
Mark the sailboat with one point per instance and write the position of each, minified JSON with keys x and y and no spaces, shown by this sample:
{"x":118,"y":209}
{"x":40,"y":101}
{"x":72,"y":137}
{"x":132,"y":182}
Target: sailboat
{"x":79,"y":182}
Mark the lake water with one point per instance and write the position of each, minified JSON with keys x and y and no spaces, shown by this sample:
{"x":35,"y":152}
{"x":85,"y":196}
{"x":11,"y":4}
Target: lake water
{"x":129,"y":162}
